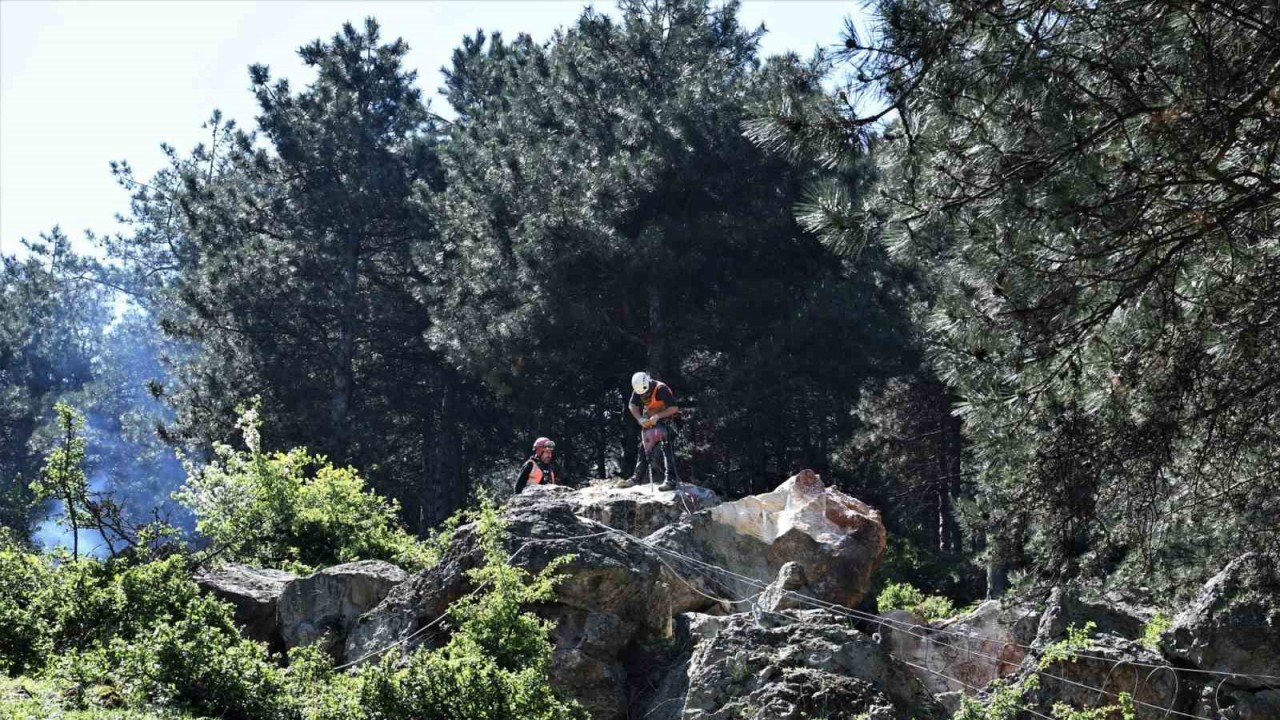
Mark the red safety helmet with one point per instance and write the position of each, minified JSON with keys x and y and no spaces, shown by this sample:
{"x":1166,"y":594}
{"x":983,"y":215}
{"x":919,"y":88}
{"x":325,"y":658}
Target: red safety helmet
{"x":543,"y":443}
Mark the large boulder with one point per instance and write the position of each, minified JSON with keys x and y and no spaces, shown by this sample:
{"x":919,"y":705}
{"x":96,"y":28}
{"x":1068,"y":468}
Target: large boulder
{"x":1066,"y":608}
{"x":964,"y":652}
{"x":255,"y":595}
{"x":835,"y":541}
{"x":327,"y":604}
{"x":808,"y":664}
{"x":1228,"y":702}
{"x":642,"y":509}
{"x":1233,"y":625}
{"x":1110,"y":666}
{"x":612,"y":597}
{"x":963,"y":655}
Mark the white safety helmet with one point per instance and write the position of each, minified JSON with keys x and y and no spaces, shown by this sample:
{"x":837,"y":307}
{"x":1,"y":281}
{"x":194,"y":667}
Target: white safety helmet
{"x":640,"y":382}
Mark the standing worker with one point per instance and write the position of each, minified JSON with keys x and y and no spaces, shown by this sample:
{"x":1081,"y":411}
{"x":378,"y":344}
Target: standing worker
{"x":538,"y":469}
{"x":653,"y":405}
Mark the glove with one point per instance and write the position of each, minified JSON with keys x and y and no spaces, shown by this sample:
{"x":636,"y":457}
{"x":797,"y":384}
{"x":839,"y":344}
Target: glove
{"x":648,"y":422}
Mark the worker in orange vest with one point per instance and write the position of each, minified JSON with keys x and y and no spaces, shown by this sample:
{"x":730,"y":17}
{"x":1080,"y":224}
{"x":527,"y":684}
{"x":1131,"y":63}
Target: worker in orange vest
{"x":538,"y":469}
{"x":653,"y":405}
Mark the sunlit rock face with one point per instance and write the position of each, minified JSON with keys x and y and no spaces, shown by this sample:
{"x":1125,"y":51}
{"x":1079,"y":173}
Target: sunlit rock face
{"x":809,"y":664}
{"x":326,"y":604}
{"x":964,"y":652}
{"x":255,"y":594}
{"x":1233,"y":628}
{"x":802,"y":504}
{"x":834,"y":540}
{"x":639,"y":510}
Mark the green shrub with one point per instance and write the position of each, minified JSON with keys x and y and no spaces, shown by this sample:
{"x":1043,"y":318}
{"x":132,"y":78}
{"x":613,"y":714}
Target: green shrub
{"x":293,"y":509}
{"x":495,"y":665}
{"x":30,"y":699}
{"x":133,"y":638}
{"x":27,"y":606}
{"x":905,"y":596}
{"x":143,"y":635}
{"x":130,"y":632}
{"x":1005,"y":700}
{"x":1152,"y":631}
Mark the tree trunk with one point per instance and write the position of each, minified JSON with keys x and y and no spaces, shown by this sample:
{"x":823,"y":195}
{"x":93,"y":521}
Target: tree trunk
{"x":602,"y":443}
{"x":955,"y":468}
{"x":997,"y":579}
{"x":428,"y":490}
{"x":452,"y":481}
{"x":657,"y":334}
{"x":343,"y":371}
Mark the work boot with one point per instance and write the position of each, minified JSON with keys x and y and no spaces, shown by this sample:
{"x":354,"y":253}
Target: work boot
{"x":641,"y":475}
{"x":666,"y":486}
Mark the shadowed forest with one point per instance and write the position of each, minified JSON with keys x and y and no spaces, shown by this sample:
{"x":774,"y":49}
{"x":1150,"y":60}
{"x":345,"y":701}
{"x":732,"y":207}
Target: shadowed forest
{"x":1009,"y":272}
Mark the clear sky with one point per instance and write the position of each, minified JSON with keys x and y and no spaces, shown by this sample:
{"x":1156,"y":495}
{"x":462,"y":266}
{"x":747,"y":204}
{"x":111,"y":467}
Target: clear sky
{"x":83,"y":83}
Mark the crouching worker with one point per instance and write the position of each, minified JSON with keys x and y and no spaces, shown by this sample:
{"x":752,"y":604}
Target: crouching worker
{"x":538,"y":469}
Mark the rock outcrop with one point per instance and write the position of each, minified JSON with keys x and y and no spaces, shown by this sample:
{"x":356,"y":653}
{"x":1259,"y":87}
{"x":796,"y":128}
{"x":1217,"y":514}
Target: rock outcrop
{"x":255,"y":595}
{"x":1098,"y":675}
{"x":1111,"y":616}
{"x":639,"y":510}
{"x":612,"y":597}
{"x":1233,"y":626}
{"x":808,"y":664}
{"x":327,"y":604}
{"x":616,"y":600}
{"x":835,"y":541}
{"x":965,"y":652}
{"x":631,"y":638}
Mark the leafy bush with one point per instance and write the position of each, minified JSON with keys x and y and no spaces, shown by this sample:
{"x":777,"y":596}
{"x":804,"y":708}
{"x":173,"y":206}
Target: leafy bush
{"x":1005,"y":700}
{"x":133,"y":637}
{"x":495,"y":666}
{"x":130,"y":632}
{"x":28,"y":699}
{"x":293,"y":509}
{"x":905,"y":596}
{"x":1152,"y":631}
{"x":27,"y":591}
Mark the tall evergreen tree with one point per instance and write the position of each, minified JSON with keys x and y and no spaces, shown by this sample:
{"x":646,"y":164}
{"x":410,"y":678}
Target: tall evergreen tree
{"x":605,"y":213}
{"x":1092,"y":190}
{"x":285,"y":253}
{"x":51,"y":322}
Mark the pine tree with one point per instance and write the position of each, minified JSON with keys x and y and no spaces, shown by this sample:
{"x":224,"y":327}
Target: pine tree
{"x":605,"y":214}
{"x":285,"y":254}
{"x":51,"y":321}
{"x":1091,"y":190}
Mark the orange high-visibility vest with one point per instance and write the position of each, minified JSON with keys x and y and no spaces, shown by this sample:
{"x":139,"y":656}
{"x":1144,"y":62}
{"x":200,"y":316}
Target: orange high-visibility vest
{"x":536,"y":475}
{"x":653,"y":405}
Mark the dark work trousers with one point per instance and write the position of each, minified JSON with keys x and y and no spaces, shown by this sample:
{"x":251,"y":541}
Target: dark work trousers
{"x":650,"y":441}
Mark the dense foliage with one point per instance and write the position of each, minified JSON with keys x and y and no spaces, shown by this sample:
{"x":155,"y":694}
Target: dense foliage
{"x":285,"y":254}
{"x":904,"y":596}
{"x":1014,"y":283}
{"x":47,"y":342}
{"x":136,"y":634}
{"x":59,"y":342}
{"x":1089,"y":192}
{"x":604,"y":212}
{"x":292,"y":509}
